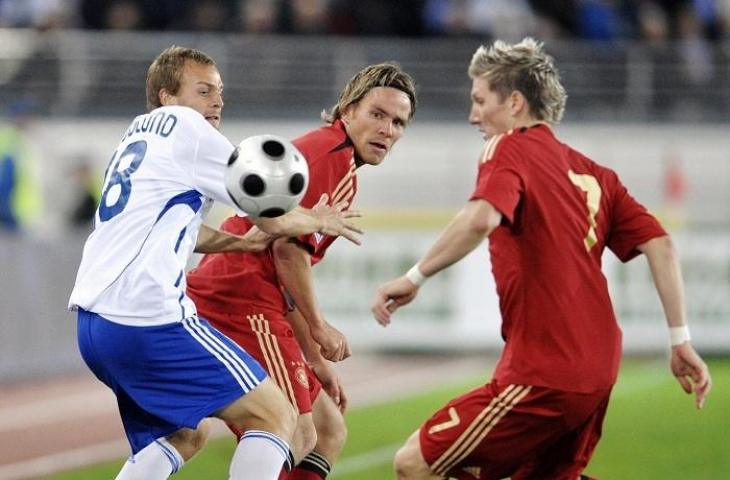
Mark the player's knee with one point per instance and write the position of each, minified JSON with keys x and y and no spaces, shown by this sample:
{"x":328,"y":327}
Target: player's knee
{"x":200,"y":436}
{"x":408,"y":464}
{"x":264,"y":408}
{"x":332,"y":435}
{"x":330,"y":425}
{"x":402,"y":464}
{"x":282,"y":414}
{"x":188,"y":442}
{"x":306,"y":436}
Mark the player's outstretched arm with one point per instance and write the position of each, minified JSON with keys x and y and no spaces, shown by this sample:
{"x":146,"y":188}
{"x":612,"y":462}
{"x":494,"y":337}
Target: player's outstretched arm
{"x":462,"y":235}
{"x":686,"y":365}
{"x":328,"y":220}
{"x":211,"y":240}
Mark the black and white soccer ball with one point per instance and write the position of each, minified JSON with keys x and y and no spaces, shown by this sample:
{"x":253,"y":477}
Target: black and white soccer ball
{"x":266,"y":176}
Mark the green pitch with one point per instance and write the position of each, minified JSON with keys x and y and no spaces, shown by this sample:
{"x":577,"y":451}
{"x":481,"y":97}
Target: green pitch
{"x":652,"y":431}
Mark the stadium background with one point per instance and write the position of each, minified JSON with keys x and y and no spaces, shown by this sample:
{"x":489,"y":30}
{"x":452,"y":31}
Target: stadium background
{"x":649,"y":96}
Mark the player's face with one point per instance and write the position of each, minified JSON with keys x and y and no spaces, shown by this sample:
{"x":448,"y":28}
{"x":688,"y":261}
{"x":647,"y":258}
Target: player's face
{"x":201,"y":89}
{"x":376,"y":122}
{"x":491,"y":114}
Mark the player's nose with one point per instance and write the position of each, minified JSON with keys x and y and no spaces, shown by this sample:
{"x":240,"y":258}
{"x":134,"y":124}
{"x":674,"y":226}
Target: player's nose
{"x":386,"y":128}
{"x":218,"y":100}
{"x":473,"y":117}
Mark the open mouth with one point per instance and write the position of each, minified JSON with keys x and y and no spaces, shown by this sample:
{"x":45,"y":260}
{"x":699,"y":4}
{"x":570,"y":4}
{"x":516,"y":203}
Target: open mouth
{"x":380,"y":146}
{"x":213,"y":118}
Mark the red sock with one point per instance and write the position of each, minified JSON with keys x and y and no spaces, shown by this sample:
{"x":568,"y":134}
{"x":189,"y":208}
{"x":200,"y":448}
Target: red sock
{"x":301,"y":474}
{"x":312,"y":467}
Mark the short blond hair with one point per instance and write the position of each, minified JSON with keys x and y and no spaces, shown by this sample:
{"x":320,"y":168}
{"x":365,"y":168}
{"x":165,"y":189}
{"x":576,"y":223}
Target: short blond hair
{"x":387,"y":74}
{"x":167,"y":69}
{"x":526,"y":68}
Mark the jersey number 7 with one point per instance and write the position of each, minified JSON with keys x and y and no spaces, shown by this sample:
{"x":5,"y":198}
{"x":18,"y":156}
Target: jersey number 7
{"x":589,"y":184}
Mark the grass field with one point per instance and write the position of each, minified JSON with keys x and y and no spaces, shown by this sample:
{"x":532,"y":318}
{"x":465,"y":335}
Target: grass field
{"x":652,"y":431}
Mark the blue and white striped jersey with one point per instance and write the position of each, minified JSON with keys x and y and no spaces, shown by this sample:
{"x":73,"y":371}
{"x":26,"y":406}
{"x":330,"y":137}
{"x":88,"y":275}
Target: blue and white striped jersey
{"x":160,"y":182}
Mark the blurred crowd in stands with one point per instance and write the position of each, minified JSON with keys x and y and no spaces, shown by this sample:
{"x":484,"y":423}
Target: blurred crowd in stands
{"x":686,"y":81}
{"x":651,"y":20}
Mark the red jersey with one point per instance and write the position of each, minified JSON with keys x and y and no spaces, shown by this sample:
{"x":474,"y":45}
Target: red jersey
{"x":560,"y":211}
{"x":228,"y":282}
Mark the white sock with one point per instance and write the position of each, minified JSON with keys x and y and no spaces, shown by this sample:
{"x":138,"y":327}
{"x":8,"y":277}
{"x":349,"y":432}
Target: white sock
{"x":259,"y":455}
{"x":156,"y":461}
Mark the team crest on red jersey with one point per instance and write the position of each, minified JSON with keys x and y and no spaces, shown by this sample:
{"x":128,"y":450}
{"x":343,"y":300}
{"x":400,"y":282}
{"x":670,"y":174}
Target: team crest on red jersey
{"x":301,"y":377}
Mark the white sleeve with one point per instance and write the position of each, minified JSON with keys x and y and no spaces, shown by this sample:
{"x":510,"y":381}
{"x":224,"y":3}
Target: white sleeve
{"x":203,"y":152}
{"x":211,"y":161}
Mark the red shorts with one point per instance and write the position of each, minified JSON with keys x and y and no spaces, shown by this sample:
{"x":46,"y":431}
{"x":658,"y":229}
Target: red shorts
{"x":517,"y":431}
{"x":269,"y":338}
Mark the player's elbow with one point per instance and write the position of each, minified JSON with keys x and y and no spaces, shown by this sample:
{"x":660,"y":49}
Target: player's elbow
{"x":282,"y":249}
{"x":290,"y":253}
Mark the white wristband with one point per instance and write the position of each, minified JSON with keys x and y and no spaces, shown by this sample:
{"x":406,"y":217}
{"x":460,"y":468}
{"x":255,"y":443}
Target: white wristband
{"x":679,"y":335}
{"x":415,"y":276}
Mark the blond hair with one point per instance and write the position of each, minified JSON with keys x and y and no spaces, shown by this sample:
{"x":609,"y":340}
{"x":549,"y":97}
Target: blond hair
{"x":526,"y":68}
{"x":381,"y":75}
{"x":167,"y":69}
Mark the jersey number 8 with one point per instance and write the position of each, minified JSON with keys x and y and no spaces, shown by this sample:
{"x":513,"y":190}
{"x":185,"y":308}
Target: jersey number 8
{"x":119,"y":183}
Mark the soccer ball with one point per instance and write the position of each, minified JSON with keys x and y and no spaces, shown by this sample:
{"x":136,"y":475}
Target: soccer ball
{"x":266,"y":176}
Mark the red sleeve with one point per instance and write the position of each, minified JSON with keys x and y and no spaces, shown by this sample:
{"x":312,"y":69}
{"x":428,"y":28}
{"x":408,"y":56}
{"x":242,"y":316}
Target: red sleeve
{"x":318,"y":185}
{"x":329,"y":157}
{"x":308,"y":145}
{"x":236,"y":225}
{"x":500,"y":181}
{"x":631,"y":224}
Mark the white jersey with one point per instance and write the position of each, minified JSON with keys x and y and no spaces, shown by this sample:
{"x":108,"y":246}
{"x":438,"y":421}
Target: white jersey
{"x":159,"y":184}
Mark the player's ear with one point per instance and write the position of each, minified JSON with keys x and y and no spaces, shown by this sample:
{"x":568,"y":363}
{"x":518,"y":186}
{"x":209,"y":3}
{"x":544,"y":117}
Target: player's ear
{"x":346,"y":114}
{"x":166,"y":98}
{"x":518,"y":102}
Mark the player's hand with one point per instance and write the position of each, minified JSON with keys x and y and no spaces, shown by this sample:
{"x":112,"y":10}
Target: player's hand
{"x":330,"y":383}
{"x":335,"y":220}
{"x":256,"y":240}
{"x":332,"y":342}
{"x":691,"y":372}
{"x":390,"y":297}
